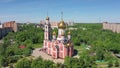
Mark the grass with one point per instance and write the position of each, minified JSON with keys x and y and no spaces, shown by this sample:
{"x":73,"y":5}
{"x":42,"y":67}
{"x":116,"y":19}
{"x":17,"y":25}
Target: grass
{"x":37,"y":45}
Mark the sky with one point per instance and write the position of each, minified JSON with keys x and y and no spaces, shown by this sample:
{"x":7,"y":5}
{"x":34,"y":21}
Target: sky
{"x":82,"y":11}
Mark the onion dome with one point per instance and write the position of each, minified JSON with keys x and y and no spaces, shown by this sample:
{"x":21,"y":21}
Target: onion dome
{"x":47,"y":18}
{"x":68,"y":44}
{"x":61,"y":25}
{"x":54,"y":33}
{"x":63,"y":34}
{"x":69,"y":33}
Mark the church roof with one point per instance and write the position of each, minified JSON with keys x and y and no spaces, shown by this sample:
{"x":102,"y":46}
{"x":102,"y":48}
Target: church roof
{"x":47,"y":18}
{"x":61,"y":25}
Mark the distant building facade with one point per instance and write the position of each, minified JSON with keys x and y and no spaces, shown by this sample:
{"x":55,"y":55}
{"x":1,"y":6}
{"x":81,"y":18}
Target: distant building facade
{"x":60,"y":46}
{"x":115,"y":27}
{"x":4,"y":31}
{"x":11,"y":24}
{"x":7,"y":27}
{"x":1,"y":26}
{"x":54,"y":24}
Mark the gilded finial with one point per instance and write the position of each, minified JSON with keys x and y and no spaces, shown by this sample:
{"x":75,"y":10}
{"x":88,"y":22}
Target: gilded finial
{"x":62,"y":16}
{"x":69,"y":44}
{"x":62,"y":24}
{"x":69,"y":32}
{"x":54,"y":33}
{"x":47,"y":18}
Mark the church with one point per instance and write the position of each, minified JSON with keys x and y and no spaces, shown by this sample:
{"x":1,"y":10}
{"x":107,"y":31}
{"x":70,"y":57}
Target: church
{"x":58,"y":46}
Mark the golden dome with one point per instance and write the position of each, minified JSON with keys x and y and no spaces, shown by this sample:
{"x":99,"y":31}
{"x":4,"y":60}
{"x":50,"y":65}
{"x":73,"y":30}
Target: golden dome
{"x":68,"y":44}
{"x":54,"y":33}
{"x":47,"y":18}
{"x":62,"y":25}
{"x":69,"y":33}
{"x":63,"y":34}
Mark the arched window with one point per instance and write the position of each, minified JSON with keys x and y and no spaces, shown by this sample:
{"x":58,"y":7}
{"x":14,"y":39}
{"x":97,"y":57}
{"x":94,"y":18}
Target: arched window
{"x":61,"y":48}
{"x":45,"y":43}
{"x":46,"y":34}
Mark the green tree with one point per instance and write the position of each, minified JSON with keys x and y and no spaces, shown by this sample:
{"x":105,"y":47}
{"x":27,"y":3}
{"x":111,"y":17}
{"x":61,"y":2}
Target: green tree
{"x":48,"y":64}
{"x":11,"y":66}
{"x":110,"y":64}
{"x":1,"y":61}
{"x":67,"y":62}
{"x":2,"y":50}
{"x":24,"y":63}
{"x":37,"y":63}
{"x":116,"y":63}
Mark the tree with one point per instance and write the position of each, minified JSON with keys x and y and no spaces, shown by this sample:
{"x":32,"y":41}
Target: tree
{"x":59,"y":65}
{"x":110,"y":64}
{"x":1,"y":61}
{"x":48,"y":64}
{"x":9,"y":52}
{"x":2,"y":49}
{"x":11,"y":66}
{"x":116,"y":63}
{"x":67,"y":62}
{"x":37,"y":63}
{"x":26,"y":51}
{"x":24,"y":63}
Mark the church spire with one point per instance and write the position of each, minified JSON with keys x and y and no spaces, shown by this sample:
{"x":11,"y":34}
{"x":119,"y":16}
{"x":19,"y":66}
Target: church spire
{"x":47,"y":18}
{"x":62,"y":24}
{"x":62,"y":16}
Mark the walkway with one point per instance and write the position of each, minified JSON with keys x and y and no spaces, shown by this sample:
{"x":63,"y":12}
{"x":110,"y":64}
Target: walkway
{"x":1,"y":41}
{"x":36,"y":53}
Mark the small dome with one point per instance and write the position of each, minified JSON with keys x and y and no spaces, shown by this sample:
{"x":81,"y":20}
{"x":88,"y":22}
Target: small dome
{"x":69,"y":33}
{"x":54,"y":33}
{"x":62,"y":25}
{"x":63,"y":34}
{"x":68,"y":44}
{"x":47,"y":18}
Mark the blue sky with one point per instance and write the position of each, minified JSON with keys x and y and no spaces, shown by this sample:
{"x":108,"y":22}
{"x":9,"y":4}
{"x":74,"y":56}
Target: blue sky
{"x":73,"y":10}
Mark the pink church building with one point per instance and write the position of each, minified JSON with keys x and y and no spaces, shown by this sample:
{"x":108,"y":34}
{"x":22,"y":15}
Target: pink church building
{"x":58,"y":46}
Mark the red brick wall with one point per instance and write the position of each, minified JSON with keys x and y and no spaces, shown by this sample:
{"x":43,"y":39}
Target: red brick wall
{"x":10,"y":24}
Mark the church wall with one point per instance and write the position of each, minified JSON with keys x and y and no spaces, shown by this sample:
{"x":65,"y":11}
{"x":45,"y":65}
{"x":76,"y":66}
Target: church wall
{"x":65,"y":52}
{"x":60,"y":31}
{"x":70,"y":51}
{"x":60,"y":50}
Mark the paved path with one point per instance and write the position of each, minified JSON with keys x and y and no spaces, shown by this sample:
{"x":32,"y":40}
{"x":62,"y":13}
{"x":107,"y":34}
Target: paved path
{"x":36,"y":53}
{"x":1,"y":41}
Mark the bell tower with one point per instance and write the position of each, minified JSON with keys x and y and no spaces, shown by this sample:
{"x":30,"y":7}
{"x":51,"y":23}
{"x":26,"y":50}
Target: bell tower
{"x":47,"y":32}
{"x":61,"y":28}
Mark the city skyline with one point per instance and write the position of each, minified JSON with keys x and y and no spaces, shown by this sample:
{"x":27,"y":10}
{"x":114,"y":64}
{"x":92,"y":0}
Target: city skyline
{"x":86,"y":11}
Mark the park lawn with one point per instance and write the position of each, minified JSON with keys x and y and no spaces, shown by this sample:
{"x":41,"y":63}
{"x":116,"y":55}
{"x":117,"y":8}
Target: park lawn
{"x":37,"y":45}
